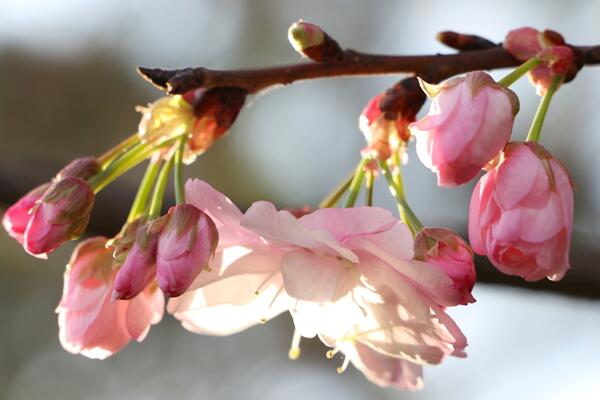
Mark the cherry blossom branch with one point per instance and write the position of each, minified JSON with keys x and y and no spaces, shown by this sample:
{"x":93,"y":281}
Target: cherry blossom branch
{"x":475,"y":54}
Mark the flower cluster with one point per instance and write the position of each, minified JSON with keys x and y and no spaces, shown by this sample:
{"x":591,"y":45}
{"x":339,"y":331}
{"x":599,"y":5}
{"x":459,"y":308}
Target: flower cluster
{"x":373,"y":288}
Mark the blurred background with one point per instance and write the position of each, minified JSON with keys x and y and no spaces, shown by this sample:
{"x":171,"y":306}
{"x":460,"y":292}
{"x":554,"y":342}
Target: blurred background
{"x":68,"y":88}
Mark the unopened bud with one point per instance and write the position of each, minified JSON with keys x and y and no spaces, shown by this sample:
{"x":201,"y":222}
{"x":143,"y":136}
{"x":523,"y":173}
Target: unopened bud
{"x":61,"y":214}
{"x":83,"y":168}
{"x":139,"y":268}
{"x":303,"y":35}
{"x":446,"y":250}
{"x":310,"y":41}
{"x":17,"y":216}
{"x":185,"y":247}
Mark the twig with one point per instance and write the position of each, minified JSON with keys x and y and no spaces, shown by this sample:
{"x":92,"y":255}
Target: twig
{"x":481,"y":55}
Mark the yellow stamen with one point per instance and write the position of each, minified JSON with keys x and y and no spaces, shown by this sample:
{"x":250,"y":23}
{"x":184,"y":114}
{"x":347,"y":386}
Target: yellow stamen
{"x":295,"y":351}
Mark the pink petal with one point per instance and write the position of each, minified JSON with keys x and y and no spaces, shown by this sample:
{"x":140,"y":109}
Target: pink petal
{"x":203,"y":196}
{"x":312,"y":277}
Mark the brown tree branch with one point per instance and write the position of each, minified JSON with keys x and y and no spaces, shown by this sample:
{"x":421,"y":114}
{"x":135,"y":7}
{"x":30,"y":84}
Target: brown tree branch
{"x":433,"y":68}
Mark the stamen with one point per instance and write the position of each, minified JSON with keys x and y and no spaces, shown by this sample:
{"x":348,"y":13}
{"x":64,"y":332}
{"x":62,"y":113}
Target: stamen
{"x":276,"y":296}
{"x":344,"y":366}
{"x":295,"y":351}
{"x":264,"y":282}
{"x":331,"y":353}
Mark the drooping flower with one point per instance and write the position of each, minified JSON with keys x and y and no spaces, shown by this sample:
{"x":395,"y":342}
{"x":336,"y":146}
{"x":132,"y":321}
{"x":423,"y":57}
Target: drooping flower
{"x":468,"y":124}
{"x":521,"y":214}
{"x":90,"y":323}
{"x":185,"y":246}
{"x":243,"y":285}
{"x":445,"y":249}
{"x":17,"y":216}
{"x":61,"y":214}
{"x":139,"y":268}
{"x":355,"y":285}
{"x":345,"y":274}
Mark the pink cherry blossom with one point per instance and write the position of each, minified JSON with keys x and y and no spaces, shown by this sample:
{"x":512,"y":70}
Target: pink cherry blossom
{"x":347,"y":275}
{"x":445,"y":249}
{"x":521,"y":214}
{"x":17,"y":216}
{"x":61,"y":214}
{"x":90,"y":323}
{"x":469,"y":122}
{"x":185,"y":246}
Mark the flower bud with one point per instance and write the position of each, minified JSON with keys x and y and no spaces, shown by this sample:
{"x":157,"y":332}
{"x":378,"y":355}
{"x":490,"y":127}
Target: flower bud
{"x":469,"y":122}
{"x":446,"y":250}
{"x":89,"y":322}
{"x":124,"y":240}
{"x":310,"y":41}
{"x":216,"y":110}
{"x":61,"y":214}
{"x":139,"y":268}
{"x":549,"y":47}
{"x":303,"y":35}
{"x":17,"y":216}
{"x":185,"y":246}
{"x":83,"y":168}
{"x":521,"y":214}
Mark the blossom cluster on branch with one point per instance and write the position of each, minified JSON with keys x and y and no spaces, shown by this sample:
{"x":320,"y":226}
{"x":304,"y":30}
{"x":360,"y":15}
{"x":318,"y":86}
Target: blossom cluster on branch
{"x":372,"y":287}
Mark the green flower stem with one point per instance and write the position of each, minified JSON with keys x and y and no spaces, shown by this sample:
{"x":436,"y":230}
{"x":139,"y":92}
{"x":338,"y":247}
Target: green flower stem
{"x":130,"y":159}
{"x":406,"y":213}
{"x":140,"y":204}
{"x":178,"y":172}
{"x":369,"y":183}
{"x":359,"y":176}
{"x":159,"y":190}
{"x":397,"y":173}
{"x":518,"y":72}
{"x":111,"y":155}
{"x":334,"y":196}
{"x":540,"y":115}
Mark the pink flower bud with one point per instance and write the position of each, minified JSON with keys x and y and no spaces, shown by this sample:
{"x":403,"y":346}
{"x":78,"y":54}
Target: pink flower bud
{"x":524,"y":43}
{"x":83,"y":168}
{"x":521,"y":214}
{"x":469,"y":122}
{"x":185,"y":246}
{"x":446,"y":250}
{"x":139,"y":268}
{"x":61,"y":214}
{"x":17,"y":216}
{"x":90,"y":323}
{"x":549,"y":47}
{"x":304,"y":35}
